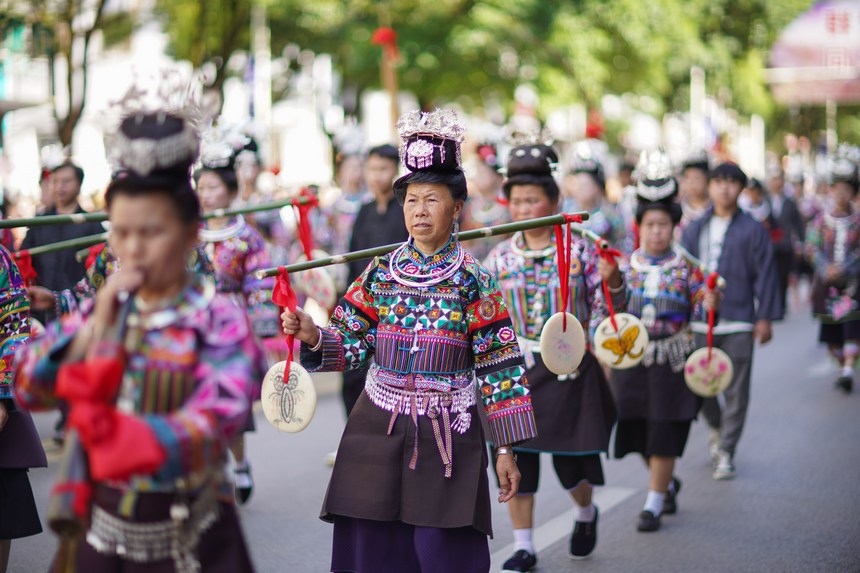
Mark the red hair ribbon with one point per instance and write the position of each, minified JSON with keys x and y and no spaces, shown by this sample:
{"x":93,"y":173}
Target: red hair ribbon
{"x":711,"y":284}
{"x":82,"y":493}
{"x":305,"y":233}
{"x":284,"y":296}
{"x":563,"y":250}
{"x":502,"y":200}
{"x":387,"y":38}
{"x":610,"y":256}
{"x":25,"y":267}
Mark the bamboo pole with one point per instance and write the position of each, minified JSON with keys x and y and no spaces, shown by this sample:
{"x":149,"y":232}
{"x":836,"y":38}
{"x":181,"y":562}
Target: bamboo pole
{"x":77,"y":243}
{"x":481,"y":233}
{"x":78,"y":218}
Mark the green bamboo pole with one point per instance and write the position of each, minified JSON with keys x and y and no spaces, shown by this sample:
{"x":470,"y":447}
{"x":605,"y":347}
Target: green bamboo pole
{"x":78,"y":218}
{"x":481,"y":233}
{"x":721,"y":282}
{"x":77,"y":243}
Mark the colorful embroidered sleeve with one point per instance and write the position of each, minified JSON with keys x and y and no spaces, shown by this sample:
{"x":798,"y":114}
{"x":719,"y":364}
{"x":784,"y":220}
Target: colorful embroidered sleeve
{"x":349,"y":340}
{"x":258,"y":292}
{"x":37,"y":363}
{"x":814,"y":245}
{"x":499,"y":366}
{"x":15,"y":322}
{"x":229,"y":363}
{"x":697,"y":287}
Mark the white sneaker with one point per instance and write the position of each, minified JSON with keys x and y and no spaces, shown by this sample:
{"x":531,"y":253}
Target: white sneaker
{"x":724,"y":469}
{"x":714,"y":446}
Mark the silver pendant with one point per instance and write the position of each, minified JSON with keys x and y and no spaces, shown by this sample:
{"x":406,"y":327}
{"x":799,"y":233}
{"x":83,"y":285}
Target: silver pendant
{"x":649,"y":315}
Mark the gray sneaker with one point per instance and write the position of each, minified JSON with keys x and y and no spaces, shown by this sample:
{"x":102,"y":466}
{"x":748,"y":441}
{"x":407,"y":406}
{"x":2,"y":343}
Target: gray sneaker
{"x":724,"y":469}
{"x":714,"y":446}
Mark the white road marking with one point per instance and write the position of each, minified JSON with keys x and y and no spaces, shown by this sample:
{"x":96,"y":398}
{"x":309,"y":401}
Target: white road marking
{"x":559,"y":527}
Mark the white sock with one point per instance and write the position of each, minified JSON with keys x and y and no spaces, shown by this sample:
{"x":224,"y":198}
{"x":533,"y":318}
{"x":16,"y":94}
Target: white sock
{"x":523,"y":540}
{"x":847,"y":371}
{"x":654,"y":502}
{"x":583,"y":514}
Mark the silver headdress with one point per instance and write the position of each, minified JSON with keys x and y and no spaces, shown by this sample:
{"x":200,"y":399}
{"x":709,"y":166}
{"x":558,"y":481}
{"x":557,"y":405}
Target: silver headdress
{"x":220,"y":145}
{"x":655,"y":176}
{"x":52,"y":156}
{"x":168,"y":94}
{"x":428,"y":139}
{"x":845,"y":164}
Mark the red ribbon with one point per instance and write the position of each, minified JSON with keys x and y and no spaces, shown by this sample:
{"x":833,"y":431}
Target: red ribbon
{"x":503,"y":201}
{"x":284,"y":296}
{"x":711,"y":284}
{"x":305,"y":233}
{"x":387,"y":38}
{"x":609,"y":255}
{"x":25,"y":267}
{"x":563,"y":249}
{"x":82,"y":493}
{"x":95,"y":251}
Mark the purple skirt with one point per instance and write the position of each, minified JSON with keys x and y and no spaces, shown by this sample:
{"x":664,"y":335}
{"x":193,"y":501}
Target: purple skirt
{"x":365,"y":546}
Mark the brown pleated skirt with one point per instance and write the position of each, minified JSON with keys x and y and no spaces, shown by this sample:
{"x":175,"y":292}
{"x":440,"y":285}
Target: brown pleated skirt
{"x":372,"y":480}
{"x":573,"y":416}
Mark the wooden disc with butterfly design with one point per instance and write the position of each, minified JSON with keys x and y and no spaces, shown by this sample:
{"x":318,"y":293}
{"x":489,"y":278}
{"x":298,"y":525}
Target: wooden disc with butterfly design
{"x":705,"y":377}
{"x":562,"y":348}
{"x":623,"y":348}
{"x":289,"y":402}
{"x":317,"y":284}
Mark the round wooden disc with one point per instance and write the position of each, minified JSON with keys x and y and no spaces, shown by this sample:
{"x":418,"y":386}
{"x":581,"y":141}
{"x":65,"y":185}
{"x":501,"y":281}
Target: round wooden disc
{"x":289,"y":404}
{"x":317,"y":284}
{"x":623,"y":348}
{"x":708,"y":378}
{"x":562,"y":349}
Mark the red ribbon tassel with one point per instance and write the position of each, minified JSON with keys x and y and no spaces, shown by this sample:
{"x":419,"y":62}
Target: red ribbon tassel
{"x":609,"y":255}
{"x":711,"y":284}
{"x":305,"y":233}
{"x":82,"y":493}
{"x":387,"y":38}
{"x":284,"y":296}
{"x":25,"y":267}
{"x":563,"y":249}
{"x":93,"y":256}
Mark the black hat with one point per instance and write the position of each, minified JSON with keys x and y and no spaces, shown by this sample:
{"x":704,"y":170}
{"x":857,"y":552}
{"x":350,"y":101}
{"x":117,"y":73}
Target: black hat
{"x":430,"y":143}
{"x":533,"y":164}
{"x":155,"y":143}
{"x":730,"y":171}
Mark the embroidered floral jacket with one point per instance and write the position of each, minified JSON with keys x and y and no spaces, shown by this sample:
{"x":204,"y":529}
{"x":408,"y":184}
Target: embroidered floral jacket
{"x":440,"y":338}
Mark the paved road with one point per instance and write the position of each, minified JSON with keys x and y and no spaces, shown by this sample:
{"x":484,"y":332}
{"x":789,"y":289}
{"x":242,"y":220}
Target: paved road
{"x":795,"y":505}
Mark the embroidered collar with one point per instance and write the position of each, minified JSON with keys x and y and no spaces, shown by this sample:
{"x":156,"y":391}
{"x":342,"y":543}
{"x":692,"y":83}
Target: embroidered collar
{"x":646,"y":263}
{"x":441,"y":257}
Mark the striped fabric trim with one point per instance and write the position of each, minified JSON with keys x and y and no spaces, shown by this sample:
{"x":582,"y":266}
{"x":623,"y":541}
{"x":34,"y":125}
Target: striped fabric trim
{"x":329,"y":358}
{"x":514,"y":426}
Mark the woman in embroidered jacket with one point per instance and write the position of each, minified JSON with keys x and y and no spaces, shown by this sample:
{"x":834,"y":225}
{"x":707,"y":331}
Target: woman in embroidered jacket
{"x":409,"y":490}
{"x":574,"y":416}
{"x":833,"y":245}
{"x":655,"y":407}
{"x":156,"y":434}
{"x":237,"y":251}
{"x":20,"y":446}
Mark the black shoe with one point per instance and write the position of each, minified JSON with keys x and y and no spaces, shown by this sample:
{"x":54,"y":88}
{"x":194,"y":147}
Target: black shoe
{"x":520,"y":561}
{"x":244,"y":483}
{"x":648,"y":521}
{"x":670,"y":504}
{"x":845,"y":383}
{"x":584,"y":538}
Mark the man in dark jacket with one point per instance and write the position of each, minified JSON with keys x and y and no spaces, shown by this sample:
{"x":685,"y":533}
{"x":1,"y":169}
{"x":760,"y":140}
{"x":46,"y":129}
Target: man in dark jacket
{"x":61,"y":270}
{"x":788,"y":249}
{"x":738,"y":248}
{"x":377,"y":223}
